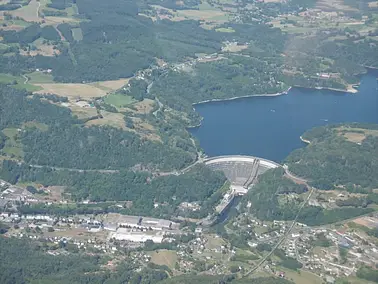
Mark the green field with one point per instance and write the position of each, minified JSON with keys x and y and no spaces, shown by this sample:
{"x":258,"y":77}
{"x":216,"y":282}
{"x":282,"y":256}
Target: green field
{"x":12,"y":146}
{"x":40,"y":78}
{"x":38,"y":125}
{"x":72,"y":11}
{"x":118,"y":100}
{"x":301,"y":276}
{"x":17,"y":82}
{"x":353,"y":280}
{"x":3,"y":46}
{"x":77,"y":34}
{"x":225,"y":30}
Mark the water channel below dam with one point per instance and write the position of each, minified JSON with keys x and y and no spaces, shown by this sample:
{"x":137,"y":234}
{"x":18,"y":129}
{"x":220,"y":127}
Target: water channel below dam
{"x":270,"y":127}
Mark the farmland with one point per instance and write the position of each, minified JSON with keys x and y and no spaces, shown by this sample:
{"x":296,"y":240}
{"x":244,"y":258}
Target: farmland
{"x":72,"y":91}
{"x":17,"y":82}
{"x":118,"y":100}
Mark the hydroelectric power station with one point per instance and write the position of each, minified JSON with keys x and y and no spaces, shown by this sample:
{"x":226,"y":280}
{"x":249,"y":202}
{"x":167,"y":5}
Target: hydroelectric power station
{"x":242,"y":172}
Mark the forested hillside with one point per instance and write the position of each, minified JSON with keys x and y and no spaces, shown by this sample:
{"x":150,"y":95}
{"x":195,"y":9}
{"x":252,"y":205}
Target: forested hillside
{"x":332,"y":159}
{"x":66,"y":143}
{"x":50,"y":136}
{"x":268,"y":202}
{"x":25,"y":262}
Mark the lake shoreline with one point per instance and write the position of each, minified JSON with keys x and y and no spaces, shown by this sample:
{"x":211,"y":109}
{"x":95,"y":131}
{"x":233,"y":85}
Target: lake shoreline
{"x":242,"y":97}
{"x":305,"y":140}
{"x":350,"y":90}
{"x":233,"y":99}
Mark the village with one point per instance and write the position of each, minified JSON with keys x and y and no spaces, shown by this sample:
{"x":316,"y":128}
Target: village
{"x":329,"y":252}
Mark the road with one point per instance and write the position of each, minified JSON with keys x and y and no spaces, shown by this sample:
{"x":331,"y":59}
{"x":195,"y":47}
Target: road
{"x":176,"y":172}
{"x":74,"y":170}
{"x":39,"y":6}
{"x":294,"y":177}
{"x":26,"y":79}
{"x":261,"y":262}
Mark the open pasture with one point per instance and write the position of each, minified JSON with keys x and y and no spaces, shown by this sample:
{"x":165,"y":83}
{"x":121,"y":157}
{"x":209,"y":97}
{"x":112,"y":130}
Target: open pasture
{"x":164,"y":257}
{"x":30,"y":12}
{"x":111,"y":85}
{"x":72,"y":91}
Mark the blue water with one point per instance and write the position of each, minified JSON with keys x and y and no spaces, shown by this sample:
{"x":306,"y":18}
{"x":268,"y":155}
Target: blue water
{"x":269,"y":127}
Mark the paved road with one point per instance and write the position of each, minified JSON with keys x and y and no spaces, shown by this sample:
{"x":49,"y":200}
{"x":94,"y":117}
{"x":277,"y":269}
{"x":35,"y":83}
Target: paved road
{"x":73,"y":170}
{"x":261,"y":262}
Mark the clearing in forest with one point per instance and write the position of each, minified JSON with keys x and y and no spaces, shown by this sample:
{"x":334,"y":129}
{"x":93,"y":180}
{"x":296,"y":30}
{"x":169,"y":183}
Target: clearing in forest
{"x":39,"y":77}
{"x":356,"y":135}
{"x":205,"y":13}
{"x":164,"y":257}
{"x":13,"y":146}
{"x":143,"y":107}
{"x":77,"y":34}
{"x":72,"y":91}
{"x":334,"y":5}
{"x":29,"y":13}
{"x":118,"y":100}
{"x":41,"y":49}
{"x":111,"y":85}
{"x":109,"y":118}
{"x":17,"y":82}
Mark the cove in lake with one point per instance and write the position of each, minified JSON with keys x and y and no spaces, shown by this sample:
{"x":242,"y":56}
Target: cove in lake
{"x":270,"y":127}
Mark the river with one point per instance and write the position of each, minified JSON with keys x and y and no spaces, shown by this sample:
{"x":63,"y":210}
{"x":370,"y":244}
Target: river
{"x":270,"y":127}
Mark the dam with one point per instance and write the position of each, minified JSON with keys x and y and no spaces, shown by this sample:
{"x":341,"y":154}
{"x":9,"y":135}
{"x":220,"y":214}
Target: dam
{"x":241,"y":171}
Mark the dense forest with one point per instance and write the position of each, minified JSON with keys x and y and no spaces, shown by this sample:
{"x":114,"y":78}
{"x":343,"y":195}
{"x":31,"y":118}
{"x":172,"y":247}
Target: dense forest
{"x":225,"y":78}
{"x":331,"y":160}
{"x":66,"y":144}
{"x":266,"y":205}
{"x":197,"y":185}
{"x":368,"y":273}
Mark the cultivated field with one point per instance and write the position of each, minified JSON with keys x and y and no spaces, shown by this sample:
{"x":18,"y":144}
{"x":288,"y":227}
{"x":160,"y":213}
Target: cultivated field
{"x":40,"y":78}
{"x":12,"y":146}
{"x":205,"y":13}
{"x":143,"y":107}
{"x":42,"y":49}
{"x":110,"y":119}
{"x":77,"y":34}
{"x":118,"y":100}
{"x":30,"y":12}
{"x":356,"y":135}
{"x":17,"y":82}
{"x":72,"y":91}
{"x":334,"y":5}
{"x":303,"y":277}
{"x":111,"y":85}
{"x":82,"y":113}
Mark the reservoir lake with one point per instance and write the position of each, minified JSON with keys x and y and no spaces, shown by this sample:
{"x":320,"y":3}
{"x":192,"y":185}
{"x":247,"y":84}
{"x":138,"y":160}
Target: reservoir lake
{"x":270,"y":127}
